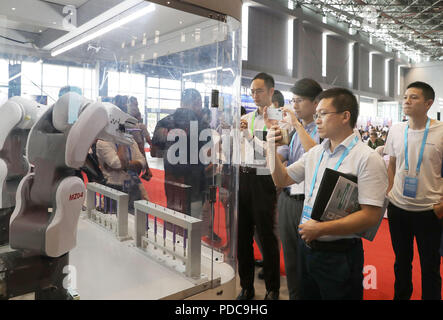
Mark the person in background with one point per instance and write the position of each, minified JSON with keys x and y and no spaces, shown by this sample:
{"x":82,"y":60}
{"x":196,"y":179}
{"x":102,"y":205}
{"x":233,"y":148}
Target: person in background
{"x":185,"y":180}
{"x":257,"y":197}
{"x":121,"y":102}
{"x":365,"y":136}
{"x":121,"y":166}
{"x":374,"y":141}
{"x":278,"y":100}
{"x":415,"y":192}
{"x":290,"y":201}
{"x":384,"y":136}
{"x":140,"y":134}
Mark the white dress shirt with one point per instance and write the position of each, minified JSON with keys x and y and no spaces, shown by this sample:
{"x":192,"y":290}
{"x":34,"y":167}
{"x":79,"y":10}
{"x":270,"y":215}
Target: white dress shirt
{"x":362,"y":161}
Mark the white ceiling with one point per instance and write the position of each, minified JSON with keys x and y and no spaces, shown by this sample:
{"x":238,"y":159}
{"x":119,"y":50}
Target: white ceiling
{"x":76,"y":3}
{"x":39,"y":30}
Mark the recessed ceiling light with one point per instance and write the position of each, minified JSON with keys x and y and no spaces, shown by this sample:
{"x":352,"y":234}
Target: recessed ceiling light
{"x":13,"y":9}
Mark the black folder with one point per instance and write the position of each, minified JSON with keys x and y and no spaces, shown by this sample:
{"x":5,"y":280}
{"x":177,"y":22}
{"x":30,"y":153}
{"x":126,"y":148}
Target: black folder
{"x":327,"y":185}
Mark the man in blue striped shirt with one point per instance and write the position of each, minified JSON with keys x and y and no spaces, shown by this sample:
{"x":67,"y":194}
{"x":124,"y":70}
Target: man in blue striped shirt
{"x":290,"y":200}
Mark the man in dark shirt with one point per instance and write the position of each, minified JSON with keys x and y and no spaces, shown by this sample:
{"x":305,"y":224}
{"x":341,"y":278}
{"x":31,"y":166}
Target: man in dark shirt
{"x":374,"y":141}
{"x":184,"y":174}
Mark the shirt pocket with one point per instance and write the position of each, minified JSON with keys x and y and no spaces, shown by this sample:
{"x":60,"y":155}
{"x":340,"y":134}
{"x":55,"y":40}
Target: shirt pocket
{"x":433,"y":157}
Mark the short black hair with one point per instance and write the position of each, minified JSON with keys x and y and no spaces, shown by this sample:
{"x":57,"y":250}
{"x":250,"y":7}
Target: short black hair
{"x":268,"y":79}
{"x":343,"y":100}
{"x":133,"y":99}
{"x":190,"y":98}
{"x":278,"y":96}
{"x":428,"y":92}
{"x":306,"y":87}
{"x":121,"y":102}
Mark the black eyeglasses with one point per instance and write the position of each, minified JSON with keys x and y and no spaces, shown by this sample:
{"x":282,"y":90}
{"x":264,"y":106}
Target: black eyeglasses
{"x":256,"y":91}
{"x":322,"y":114}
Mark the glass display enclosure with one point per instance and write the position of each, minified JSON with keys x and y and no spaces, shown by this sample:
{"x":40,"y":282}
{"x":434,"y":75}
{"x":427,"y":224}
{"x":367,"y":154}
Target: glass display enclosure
{"x":93,"y":93}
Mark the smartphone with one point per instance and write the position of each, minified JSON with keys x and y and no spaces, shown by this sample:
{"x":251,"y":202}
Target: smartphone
{"x":275,"y":114}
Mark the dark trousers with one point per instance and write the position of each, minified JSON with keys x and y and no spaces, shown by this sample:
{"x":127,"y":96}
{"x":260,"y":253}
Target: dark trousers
{"x":289,"y":213}
{"x":330,"y":275}
{"x":256,"y":210}
{"x":426,"y":228}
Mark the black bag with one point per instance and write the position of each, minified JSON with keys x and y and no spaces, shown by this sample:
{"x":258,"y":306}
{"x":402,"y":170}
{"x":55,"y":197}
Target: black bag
{"x":92,"y":169}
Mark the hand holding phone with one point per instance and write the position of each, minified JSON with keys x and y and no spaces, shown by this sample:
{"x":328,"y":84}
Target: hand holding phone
{"x":275,"y":114}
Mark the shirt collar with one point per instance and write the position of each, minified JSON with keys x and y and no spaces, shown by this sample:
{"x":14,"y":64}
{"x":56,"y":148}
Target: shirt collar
{"x":261,"y":115}
{"x":310,"y":126}
{"x":326,"y":144}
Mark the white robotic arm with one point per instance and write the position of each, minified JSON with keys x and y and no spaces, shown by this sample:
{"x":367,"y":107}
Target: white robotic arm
{"x":98,"y":121}
{"x":49,"y":200}
{"x":17,"y":115}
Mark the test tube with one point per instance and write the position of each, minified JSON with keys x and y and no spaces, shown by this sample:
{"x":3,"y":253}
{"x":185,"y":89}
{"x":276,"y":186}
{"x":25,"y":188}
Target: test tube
{"x":164,"y":236}
{"x":173,"y":239}
{"x":185,"y":235}
{"x":147,"y":225}
{"x":164,"y":233}
{"x":155,"y":229}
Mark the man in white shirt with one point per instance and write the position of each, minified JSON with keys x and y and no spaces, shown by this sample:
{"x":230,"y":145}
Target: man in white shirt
{"x":415,"y":190}
{"x":331,"y":253}
{"x":257,"y":197}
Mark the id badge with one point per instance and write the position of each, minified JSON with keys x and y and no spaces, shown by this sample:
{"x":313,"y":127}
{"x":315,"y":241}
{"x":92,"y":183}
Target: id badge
{"x":306,"y":215}
{"x":410,"y":187}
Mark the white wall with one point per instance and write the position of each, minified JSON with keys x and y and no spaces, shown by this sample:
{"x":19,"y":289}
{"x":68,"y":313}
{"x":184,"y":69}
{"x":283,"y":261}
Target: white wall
{"x":431,"y":73}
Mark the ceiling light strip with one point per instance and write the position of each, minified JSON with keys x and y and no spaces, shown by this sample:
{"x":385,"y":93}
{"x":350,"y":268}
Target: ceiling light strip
{"x":117,"y":22}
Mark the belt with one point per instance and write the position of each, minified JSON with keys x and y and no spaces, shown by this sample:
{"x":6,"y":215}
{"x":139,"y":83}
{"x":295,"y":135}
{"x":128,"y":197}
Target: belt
{"x":298,"y":197}
{"x":248,"y":170}
{"x":341,"y":245}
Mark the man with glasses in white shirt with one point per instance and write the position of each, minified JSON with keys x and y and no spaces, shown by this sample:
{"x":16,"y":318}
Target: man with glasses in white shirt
{"x":330,"y":258}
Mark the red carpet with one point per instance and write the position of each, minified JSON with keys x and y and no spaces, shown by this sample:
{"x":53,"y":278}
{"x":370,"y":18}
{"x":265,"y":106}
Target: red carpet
{"x":379,"y":256}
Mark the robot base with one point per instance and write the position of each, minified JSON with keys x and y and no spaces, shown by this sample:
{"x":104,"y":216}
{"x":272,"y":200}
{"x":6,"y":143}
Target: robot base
{"x":21,"y":274}
{"x":5,"y":215}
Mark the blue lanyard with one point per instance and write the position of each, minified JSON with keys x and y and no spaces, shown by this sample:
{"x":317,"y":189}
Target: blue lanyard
{"x":343,"y":156}
{"x":422,"y":148}
{"x":293,"y":138}
{"x":252,"y":124}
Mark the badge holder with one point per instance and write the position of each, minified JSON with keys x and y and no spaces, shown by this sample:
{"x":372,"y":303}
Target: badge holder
{"x":410,"y":186}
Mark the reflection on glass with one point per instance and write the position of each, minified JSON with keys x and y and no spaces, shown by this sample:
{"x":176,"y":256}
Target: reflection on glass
{"x":161,"y":66}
